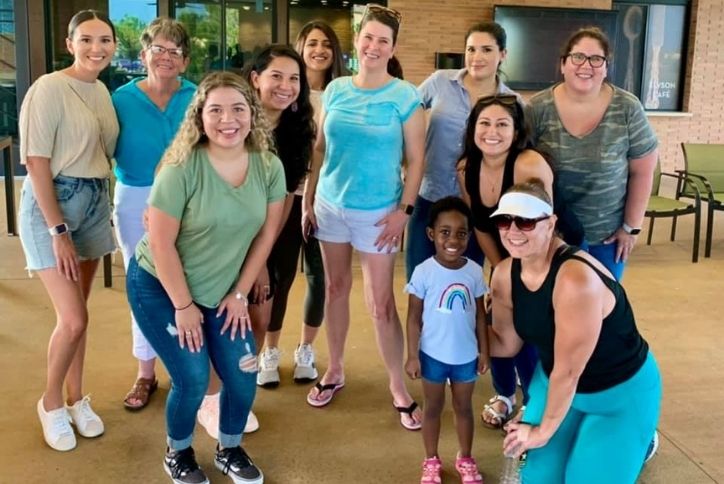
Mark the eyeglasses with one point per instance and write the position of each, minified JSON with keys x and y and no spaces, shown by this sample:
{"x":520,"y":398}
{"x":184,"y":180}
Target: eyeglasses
{"x":376,"y":9}
{"x":177,"y":53}
{"x":578,"y":59}
{"x":503,"y":222}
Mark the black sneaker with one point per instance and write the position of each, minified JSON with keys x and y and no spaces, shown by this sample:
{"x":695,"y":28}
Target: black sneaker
{"x":235,"y":463}
{"x":182,"y":467}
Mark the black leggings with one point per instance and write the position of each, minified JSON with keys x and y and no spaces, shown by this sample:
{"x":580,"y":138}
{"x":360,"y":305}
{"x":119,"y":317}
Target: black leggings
{"x":283,"y":263}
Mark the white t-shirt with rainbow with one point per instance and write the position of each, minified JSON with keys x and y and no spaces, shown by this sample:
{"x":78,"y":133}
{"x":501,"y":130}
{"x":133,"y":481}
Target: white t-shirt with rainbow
{"x":448,"y":316}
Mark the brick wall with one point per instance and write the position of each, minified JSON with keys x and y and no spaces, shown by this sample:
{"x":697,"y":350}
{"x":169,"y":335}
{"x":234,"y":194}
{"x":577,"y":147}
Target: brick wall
{"x":431,"y":26}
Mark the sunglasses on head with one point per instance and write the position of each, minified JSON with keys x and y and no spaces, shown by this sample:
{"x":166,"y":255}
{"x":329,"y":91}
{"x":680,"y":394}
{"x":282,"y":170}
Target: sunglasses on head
{"x":382,"y":10}
{"x":503,"y":222}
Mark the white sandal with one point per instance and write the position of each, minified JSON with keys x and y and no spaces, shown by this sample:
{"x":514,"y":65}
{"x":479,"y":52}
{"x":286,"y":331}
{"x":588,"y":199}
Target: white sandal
{"x":493,"y":415}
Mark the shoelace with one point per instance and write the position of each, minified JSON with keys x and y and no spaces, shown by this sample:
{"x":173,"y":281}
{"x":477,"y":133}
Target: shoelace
{"x":85,"y":411}
{"x":61,"y":424}
{"x":235,"y":457}
{"x":270,"y":358}
{"x":306,"y":356}
{"x":183,"y":463}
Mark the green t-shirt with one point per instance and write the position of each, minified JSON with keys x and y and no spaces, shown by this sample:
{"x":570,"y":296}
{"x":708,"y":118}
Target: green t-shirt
{"x":218,"y":222}
{"x":592,"y":171}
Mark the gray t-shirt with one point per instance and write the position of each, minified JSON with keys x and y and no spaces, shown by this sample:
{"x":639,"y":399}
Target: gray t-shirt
{"x":592,"y":171}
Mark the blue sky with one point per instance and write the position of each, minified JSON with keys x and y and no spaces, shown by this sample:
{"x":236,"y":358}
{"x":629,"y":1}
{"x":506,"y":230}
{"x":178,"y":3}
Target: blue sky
{"x":135,"y":8}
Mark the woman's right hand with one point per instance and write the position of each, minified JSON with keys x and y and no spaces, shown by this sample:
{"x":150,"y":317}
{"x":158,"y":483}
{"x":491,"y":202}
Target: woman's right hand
{"x":66,"y":257}
{"x":188,"y":325}
{"x":309,"y":220}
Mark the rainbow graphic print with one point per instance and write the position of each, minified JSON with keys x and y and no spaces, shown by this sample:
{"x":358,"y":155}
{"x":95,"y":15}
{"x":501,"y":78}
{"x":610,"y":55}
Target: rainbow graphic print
{"x":452,"y":293}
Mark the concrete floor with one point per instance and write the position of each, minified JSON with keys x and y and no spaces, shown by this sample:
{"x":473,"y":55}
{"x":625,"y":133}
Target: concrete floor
{"x":358,"y":437}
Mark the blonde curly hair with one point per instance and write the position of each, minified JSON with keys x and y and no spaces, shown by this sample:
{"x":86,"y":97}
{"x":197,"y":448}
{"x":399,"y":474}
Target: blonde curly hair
{"x":191,"y":133}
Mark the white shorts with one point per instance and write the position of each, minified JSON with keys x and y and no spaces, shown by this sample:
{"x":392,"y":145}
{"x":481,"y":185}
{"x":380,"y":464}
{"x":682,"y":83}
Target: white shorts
{"x":346,"y":225}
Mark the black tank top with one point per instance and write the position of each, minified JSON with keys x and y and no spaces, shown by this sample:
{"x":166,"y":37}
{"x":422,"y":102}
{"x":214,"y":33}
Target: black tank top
{"x":481,"y":213}
{"x":620,"y":350}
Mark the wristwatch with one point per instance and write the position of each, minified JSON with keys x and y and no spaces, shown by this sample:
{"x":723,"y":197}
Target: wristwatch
{"x":408,"y":209}
{"x":59,"y":229}
{"x":630,"y":230}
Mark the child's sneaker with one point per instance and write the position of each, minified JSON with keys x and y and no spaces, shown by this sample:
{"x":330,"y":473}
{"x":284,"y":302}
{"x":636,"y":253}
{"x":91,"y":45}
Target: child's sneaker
{"x":181,"y":466}
{"x":86,"y":421}
{"x":304,"y":367}
{"x":268,"y":376}
{"x":468,"y":470}
{"x":431,"y":469}
{"x":56,"y":427}
{"x":237,"y":464}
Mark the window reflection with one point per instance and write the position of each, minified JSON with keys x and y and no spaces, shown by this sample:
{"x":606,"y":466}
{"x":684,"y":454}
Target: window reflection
{"x":8,"y":71}
{"x":247,"y":28}
{"x":129,"y":17}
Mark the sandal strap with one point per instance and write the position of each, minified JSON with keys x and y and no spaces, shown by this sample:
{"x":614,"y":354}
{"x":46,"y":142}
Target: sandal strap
{"x":500,"y":398}
{"x":408,"y":410}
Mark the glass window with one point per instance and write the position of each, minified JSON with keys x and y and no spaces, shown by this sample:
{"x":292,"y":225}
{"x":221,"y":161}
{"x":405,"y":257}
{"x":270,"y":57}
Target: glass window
{"x":8,"y":74}
{"x":342,"y":15}
{"x":129,"y":17}
{"x":247,"y":27}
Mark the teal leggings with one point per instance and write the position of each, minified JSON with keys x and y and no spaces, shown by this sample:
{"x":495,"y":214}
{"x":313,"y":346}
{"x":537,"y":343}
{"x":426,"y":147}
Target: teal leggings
{"x":604,"y":436}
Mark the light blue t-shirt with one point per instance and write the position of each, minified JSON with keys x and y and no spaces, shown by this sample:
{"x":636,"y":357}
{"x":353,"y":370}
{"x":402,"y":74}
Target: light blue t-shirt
{"x":364,"y":143}
{"x":145,"y":130}
{"x":448,"y":102}
{"x":448,"y":315}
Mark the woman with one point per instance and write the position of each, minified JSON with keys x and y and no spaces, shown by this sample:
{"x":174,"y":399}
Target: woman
{"x":603,"y":148}
{"x":276,"y":69}
{"x":449,"y":95}
{"x":322,"y":55}
{"x":354,"y":198}
{"x":214,"y":210}
{"x":150,"y":110}
{"x":596,"y":394}
{"x":497,"y":154}
{"x":277,"y":76}
{"x":68,"y":134}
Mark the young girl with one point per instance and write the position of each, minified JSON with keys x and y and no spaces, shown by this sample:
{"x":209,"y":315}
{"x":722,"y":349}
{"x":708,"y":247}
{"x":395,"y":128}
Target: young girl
{"x":446,"y":334}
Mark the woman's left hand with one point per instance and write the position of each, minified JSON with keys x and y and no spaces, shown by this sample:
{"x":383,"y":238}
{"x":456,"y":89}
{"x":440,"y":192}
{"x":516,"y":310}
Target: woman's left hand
{"x":237,"y":315}
{"x":394,"y":224}
{"x":624,"y":244}
{"x":522,"y":437}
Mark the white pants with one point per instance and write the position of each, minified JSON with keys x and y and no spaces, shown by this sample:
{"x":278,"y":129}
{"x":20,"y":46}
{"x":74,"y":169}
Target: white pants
{"x":129,"y":204}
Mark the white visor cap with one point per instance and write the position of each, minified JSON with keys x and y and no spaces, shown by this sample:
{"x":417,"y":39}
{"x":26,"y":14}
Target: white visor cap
{"x":522,"y":205}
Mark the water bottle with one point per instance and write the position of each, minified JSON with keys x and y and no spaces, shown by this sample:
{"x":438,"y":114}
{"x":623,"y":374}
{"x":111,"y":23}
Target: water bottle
{"x":511,"y":471}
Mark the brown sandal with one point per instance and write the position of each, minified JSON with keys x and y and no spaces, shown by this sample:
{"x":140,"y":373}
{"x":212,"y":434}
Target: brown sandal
{"x":141,"y":391}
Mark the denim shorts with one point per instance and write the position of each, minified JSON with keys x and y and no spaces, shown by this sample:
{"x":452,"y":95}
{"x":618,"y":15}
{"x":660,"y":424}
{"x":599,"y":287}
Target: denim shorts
{"x":345,"y":225}
{"x":87,"y":211}
{"x":436,"y":371}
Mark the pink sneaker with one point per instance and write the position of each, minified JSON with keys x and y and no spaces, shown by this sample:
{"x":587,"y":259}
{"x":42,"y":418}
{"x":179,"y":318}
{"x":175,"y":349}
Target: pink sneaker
{"x":468,"y":470}
{"x":431,"y":471}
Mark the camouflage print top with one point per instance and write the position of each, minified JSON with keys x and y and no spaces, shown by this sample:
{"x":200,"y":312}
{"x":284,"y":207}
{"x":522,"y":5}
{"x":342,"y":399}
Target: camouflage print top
{"x":592,"y":171}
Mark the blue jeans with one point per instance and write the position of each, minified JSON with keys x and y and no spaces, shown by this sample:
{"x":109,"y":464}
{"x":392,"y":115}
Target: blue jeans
{"x":189,"y":371}
{"x":603,"y":437}
{"x":419,"y":246}
{"x":436,"y":371}
{"x":502,"y":371}
{"x":606,"y":255}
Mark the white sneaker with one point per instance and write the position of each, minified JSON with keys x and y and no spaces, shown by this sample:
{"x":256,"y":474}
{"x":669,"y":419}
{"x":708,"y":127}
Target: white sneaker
{"x":268,"y":376}
{"x":86,"y":421}
{"x":304,"y":367}
{"x":252,"y":423}
{"x":56,"y":428}
{"x":208,"y":417}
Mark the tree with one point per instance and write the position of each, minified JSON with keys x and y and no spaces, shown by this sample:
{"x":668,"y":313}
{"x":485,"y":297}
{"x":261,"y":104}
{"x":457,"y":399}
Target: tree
{"x":128,"y":34}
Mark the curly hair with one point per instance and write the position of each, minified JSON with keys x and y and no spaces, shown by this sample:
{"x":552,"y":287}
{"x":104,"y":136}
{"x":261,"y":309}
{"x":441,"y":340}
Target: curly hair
{"x":337,"y":69}
{"x":191,"y":133}
{"x":295,"y":134}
